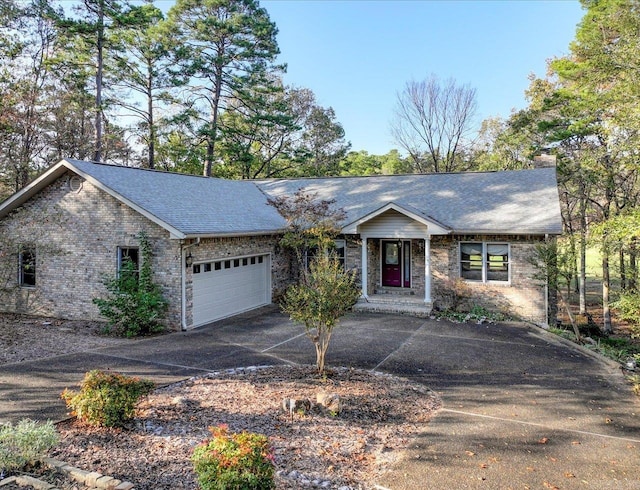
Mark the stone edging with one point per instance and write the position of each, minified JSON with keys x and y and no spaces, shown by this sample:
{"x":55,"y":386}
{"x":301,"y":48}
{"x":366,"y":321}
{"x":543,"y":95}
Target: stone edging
{"x":90,"y":479}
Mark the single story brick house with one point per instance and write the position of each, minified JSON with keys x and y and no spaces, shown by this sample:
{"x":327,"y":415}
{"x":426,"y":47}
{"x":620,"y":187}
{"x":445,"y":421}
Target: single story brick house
{"x":415,"y":241}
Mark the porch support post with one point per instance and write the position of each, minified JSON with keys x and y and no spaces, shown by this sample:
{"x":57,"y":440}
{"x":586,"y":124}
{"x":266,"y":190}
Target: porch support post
{"x":364,"y":261}
{"x":427,"y":269}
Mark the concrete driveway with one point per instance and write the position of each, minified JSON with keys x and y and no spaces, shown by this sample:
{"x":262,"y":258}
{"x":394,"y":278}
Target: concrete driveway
{"x":522,"y":408}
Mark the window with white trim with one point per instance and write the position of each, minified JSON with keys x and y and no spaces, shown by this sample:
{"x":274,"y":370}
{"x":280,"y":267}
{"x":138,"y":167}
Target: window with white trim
{"x":27,"y":266}
{"x":484,"y":262}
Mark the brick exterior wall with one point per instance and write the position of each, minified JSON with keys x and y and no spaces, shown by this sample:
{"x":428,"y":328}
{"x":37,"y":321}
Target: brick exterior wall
{"x":77,"y":235}
{"x":521,"y":297}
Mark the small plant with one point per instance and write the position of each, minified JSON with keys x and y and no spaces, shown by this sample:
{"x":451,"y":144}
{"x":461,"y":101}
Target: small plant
{"x":135,"y":305}
{"x":325,"y":292}
{"x":106,"y":399}
{"x":477,"y":313}
{"x":618,"y":349}
{"x":25,"y":443}
{"x":234,"y":461}
{"x":634,"y":379}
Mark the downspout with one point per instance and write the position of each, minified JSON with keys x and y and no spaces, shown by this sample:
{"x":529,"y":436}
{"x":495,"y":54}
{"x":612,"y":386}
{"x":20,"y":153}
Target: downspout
{"x":183,"y":269}
{"x":546,"y":290}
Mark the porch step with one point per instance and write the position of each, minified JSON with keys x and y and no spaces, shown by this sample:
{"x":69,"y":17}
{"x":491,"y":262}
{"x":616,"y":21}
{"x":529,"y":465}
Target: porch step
{"x":395,"y":291}
{"x":404,"y":305}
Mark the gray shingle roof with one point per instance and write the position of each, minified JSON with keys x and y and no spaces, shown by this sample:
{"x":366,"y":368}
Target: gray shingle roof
{"x":512,"y":202}
{"x":191,"y":204}
{"x":519,"y":201}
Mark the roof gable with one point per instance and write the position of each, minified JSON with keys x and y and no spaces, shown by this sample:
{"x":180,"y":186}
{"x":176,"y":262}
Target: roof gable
{"x":184,"y":205}
{"x":433,"y":226}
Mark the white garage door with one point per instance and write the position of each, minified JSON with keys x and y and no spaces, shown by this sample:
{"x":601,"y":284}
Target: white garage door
{"x":223,"y":288}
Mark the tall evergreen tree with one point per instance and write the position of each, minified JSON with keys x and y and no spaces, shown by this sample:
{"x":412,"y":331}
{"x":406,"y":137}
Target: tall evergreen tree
{"x":226,"y":47}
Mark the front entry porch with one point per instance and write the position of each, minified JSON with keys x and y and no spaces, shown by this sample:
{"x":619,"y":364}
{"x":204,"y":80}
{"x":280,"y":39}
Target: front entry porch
{"x":396,"y":276}
{"x":395,"y":260}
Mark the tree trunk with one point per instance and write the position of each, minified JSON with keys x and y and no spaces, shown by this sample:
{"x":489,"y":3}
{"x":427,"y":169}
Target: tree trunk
{"x":97,"y":156}
{"x":322,"y":344}
{"x":582,"y":277}
{"x":606,"y":283}
{"x":151,"y":158}
{"x":623,"y":271}
{"x":213,"y":129}
{"x":633,"y":269}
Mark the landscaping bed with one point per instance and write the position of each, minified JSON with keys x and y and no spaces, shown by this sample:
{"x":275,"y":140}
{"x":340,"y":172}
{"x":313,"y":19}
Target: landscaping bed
{"x":381,"y":414}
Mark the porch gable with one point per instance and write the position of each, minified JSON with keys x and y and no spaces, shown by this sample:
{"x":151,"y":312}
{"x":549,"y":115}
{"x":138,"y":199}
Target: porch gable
{"x":394,"y":221}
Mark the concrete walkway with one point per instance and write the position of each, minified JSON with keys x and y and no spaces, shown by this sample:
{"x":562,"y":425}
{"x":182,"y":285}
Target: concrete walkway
{"x":522,"y":408}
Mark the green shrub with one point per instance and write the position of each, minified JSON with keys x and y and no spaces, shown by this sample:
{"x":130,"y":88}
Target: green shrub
{"x":25,"y":443}
{"x":135,"y":305}
{"x":628,"y":308}
{"x":106,"y":399}
{"x":234,"y":461}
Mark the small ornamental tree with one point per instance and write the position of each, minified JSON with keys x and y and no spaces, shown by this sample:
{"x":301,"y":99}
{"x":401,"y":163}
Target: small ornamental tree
{"x":312,"y":224}
{"x":135,"y":305}
{"x":325,"y":290}
{"x":324,"y":294}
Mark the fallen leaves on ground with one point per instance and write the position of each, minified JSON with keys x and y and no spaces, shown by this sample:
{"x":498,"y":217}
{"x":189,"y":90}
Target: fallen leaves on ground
{"x":380,"y":416}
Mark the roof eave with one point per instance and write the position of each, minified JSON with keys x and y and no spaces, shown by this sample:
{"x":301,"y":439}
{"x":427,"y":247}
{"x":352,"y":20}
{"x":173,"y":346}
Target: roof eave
{"x":19,"y":198}
{"x":505,"y":232}
{"x":233,"y":234}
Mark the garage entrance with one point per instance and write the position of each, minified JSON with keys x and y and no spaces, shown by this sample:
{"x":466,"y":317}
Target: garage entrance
{"x":223,"y":288}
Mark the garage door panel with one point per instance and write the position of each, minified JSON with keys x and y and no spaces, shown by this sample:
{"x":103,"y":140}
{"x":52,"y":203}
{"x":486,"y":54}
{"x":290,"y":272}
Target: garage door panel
{"x":227,"y":291}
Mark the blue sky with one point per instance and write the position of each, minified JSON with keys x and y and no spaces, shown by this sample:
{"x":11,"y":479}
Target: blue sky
{"x":356,"y":55}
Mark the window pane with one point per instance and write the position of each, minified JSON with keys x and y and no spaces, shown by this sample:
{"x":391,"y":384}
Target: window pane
{"x":391,"y":255}
{"x":27,"y":260}
{"x":498,"y":262}
{"x":471,"y":271}
{"x":128,"y":254}
{"x":468,"y":250}
{"x":340,"y":251}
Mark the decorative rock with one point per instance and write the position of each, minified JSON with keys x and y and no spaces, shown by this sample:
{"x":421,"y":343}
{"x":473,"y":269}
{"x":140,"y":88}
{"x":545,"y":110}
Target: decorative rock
{"x":7,"y":481}
{"x":293,"y":405}
{"x":92,"y":478}
{"x":125,"y":485}
{"x":107,"y":482}
{"x":78,"y":474}
{"x":25,"y":480}
{"x":329,"y":402}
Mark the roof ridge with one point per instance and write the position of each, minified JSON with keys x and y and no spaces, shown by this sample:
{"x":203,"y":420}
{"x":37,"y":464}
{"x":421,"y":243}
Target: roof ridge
{"x":431,"y":174}
{"x":153,"y":170}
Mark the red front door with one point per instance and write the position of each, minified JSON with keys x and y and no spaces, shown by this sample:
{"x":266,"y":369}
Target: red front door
{"x":392,"y":264}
